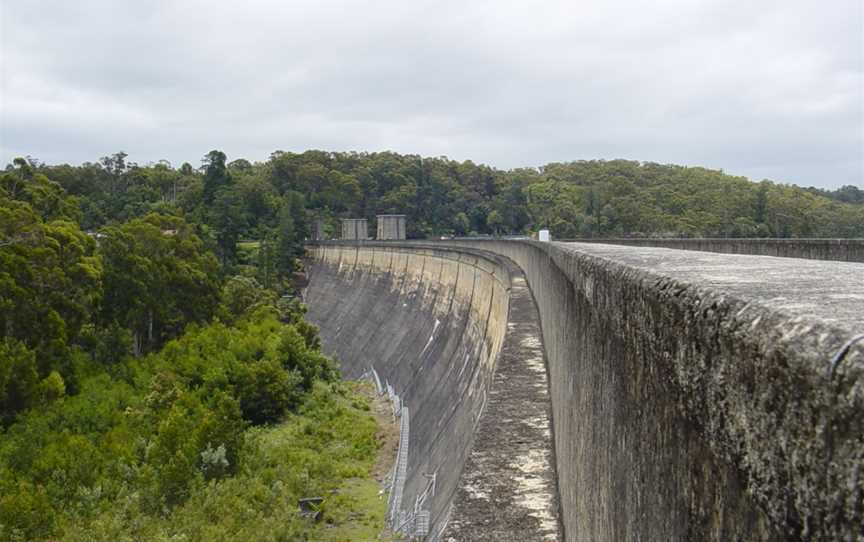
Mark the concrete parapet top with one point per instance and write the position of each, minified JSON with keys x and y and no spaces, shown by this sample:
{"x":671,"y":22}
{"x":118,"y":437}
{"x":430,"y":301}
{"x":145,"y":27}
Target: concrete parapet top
{"x":844,"y":250}
{"x":831,"y":291}
{"x":773,"y":240}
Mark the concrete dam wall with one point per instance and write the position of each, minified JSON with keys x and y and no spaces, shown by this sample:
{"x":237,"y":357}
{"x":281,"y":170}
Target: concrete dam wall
{"x":456,"y":335}
{"x":693,"y":395}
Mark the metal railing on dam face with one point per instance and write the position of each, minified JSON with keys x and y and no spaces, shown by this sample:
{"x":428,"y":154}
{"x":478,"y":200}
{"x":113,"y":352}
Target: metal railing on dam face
{"x":691,"y":393}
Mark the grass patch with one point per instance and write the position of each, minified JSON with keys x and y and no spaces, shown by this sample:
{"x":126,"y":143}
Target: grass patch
{"x":356,"y":511}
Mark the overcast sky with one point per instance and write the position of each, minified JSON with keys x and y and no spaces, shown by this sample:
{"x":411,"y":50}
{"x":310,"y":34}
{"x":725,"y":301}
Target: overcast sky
{"x":766,"y":89}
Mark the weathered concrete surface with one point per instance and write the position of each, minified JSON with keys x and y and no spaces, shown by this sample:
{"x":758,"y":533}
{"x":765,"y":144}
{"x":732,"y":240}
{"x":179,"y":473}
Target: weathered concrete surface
{"x":690,"y":396}
{"x":844,"y":250}
{"x":508,"y":490}
{"x":432,"y":322}
{"x":825,"y":292}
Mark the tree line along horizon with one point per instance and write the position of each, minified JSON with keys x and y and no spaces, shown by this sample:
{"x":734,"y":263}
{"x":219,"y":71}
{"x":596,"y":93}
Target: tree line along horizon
{"x":240,"y":199}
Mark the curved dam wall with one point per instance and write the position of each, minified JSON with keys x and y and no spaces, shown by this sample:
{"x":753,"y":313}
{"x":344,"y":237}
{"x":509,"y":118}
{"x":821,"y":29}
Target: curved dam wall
{"x":433,"y":323}
{"x":692,"y":395}
{"x":843,"y":250}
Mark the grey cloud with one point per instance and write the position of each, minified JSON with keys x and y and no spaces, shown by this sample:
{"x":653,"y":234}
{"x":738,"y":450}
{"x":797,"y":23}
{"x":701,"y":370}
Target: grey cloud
{"x":765,"y":89}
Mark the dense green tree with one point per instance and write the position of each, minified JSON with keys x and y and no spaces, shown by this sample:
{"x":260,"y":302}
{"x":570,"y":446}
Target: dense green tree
{"x":260,"y":202}
{"x":158,"y":278}
{"x":242,"y":294}
{"x":461,"y":224}
{"x":19,"y":378}
{"x":228,"y":220}
{"x":266,"y":264}
{"x":216,"y":175}
{"x":291,"y":231}
{"x":495,"y":222}
{"x":49,"y":274}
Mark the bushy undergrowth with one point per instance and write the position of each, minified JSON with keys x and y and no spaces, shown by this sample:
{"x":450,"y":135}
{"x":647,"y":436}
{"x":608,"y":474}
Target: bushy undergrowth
{"x":181,"y":445}
{"x":329,"y":440}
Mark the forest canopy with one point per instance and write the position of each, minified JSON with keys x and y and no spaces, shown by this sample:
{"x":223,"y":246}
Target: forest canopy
{"x":275,"y":200}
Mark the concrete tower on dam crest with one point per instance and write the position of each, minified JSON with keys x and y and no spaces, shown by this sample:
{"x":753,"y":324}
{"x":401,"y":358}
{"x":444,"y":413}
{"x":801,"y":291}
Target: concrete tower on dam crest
{"x":391,"y":227}
{"x":355,"y":229}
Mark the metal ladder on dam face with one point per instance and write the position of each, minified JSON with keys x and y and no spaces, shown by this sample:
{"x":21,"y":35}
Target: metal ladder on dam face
{"x":400,"y":472}
{"x":416,"y":522}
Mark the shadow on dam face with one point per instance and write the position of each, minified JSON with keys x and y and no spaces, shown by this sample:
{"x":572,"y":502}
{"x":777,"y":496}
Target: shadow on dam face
{"x":687,"y":391}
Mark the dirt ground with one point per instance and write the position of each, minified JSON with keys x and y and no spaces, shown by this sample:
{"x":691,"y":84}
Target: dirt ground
{"x":388,"y":430}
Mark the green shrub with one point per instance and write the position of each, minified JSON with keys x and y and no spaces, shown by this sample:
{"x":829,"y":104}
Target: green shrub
{"x":267,"y":391}
{"x":25,"y":512}
{"x":296,"y":356}
{"x":19,"y":378}
{"x":222,"y":431}
{"x":241,"y":295}
{"x":52,"y":387}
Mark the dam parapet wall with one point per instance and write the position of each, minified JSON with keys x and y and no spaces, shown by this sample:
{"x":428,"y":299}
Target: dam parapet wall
{"x":692,"y":396}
